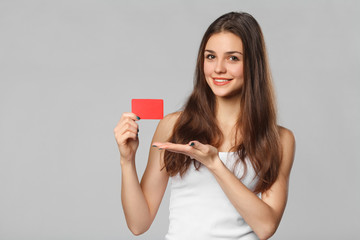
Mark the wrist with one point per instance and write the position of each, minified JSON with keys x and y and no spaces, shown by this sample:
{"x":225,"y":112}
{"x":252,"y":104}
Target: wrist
{"x":216,"y":163}
{"x":127,"y":161}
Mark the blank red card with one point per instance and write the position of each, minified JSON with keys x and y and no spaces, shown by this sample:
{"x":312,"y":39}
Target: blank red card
{"x":148,"y":108}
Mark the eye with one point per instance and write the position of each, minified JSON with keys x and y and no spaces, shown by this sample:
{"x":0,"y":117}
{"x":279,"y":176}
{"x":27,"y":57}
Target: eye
{"x":210,"y":56}
{"x":233,"y":58}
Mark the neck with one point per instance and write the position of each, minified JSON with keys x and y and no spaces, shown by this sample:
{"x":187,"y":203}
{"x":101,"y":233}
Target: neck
{"x":227,"y":110}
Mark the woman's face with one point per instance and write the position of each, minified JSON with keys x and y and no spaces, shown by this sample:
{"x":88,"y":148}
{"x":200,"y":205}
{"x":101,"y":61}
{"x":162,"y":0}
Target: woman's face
{"x":223,"y":64}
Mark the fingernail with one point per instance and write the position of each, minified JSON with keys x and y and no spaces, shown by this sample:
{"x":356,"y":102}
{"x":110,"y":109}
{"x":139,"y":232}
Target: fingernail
{"x":137,"y":135}
{"x":137,"y":130}
{"x":154,"y":145}
{"x":192,"y":144}
{"x":138,"y":118}
{"x":160,"y":148}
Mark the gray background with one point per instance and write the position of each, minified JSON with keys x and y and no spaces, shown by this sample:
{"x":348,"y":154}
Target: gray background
{"x":68,"y":69}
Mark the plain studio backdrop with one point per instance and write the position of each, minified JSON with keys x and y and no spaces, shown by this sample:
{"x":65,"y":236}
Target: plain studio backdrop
{"x":69,"y":69}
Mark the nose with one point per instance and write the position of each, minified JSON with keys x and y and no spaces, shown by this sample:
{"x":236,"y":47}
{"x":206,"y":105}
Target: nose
{"x":220,"y":67}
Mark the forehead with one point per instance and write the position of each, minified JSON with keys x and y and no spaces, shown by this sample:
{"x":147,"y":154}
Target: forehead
{"x":224,"y":42}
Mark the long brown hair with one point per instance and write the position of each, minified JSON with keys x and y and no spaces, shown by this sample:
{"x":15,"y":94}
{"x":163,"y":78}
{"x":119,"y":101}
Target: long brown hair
{"x":257,"y":122}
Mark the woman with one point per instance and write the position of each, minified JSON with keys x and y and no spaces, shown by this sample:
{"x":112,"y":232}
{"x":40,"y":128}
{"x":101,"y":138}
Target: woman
{"x":228,"y":159}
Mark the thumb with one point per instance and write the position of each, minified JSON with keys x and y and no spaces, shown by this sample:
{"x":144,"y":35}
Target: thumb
{"x":203,"y":148}
{"x":197,"y":145}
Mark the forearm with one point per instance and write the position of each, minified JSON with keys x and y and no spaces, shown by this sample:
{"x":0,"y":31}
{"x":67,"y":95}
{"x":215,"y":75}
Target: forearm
{"x":257,"y":213}
{"x":135,"y":206}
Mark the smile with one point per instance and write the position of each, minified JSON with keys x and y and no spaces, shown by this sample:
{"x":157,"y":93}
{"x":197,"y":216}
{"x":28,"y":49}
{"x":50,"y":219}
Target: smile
{"x":221,"y":81}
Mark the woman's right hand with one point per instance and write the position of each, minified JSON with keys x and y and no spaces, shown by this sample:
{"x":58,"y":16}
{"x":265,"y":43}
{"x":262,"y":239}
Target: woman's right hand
{"x":126,"y":135}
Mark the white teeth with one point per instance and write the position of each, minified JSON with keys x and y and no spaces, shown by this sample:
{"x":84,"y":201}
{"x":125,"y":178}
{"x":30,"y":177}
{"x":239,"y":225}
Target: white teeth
{"x":221,"y":80}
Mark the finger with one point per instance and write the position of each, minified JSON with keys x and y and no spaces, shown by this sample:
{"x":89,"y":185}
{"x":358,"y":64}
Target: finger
{"x":131,"y":115}
{"x":203,"y":149}
{"x":177,"y":148}
{"x":197,"y":145}
{"x":160,"y":145}
{"x":127,"y":126}
{"x":128,"y":135}
{"x":156,"y":144}
{"x":127,"y":118}
{"x":130,"y":126}
{"x":200,"y":149}
{"x":132,"y":130}
{"x":126,"y":121}
{"x":123,"y":137}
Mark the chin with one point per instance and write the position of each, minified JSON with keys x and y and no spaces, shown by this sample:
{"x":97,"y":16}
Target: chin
{"x":228,"y":94}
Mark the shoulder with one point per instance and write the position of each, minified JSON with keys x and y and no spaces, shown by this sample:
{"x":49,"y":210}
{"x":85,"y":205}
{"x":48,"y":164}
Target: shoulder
{"x":169,"y":121}
{"x":171,"y":118}
{"x":288,"y":144}
{"x":286,"y":136}
{"x":166,"y":125}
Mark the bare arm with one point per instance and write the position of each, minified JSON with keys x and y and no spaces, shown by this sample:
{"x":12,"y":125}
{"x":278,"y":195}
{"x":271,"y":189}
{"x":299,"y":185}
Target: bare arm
{"x":141,"y":201}
{"x":262,"y":215}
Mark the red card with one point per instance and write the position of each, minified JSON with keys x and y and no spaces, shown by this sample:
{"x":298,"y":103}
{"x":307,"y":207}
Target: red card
{"x":148,"y":108}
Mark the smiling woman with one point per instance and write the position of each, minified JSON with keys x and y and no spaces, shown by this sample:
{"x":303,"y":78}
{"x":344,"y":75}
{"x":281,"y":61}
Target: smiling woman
{"x":228,"y":160}
{"x":223,"y":64}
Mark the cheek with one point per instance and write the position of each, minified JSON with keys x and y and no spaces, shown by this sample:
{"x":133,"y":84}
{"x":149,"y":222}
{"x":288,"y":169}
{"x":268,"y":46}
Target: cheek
{"x":208,"y":69}
{"x":237,"y":70}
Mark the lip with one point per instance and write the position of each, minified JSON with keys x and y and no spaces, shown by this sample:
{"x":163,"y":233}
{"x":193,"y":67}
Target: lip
{"x":221,"y":83}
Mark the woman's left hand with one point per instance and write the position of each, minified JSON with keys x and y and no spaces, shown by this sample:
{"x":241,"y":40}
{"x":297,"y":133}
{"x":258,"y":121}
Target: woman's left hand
{"x":204,"y":153}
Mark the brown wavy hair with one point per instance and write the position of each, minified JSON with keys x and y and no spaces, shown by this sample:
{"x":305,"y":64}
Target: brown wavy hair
{"x":259,"y":135}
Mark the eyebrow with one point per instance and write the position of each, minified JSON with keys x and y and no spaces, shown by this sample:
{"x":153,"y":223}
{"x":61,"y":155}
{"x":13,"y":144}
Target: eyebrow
{"x":230,"y":52}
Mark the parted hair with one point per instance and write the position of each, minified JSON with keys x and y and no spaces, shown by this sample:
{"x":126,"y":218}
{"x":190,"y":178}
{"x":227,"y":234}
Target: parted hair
{"x":257,"y":134}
